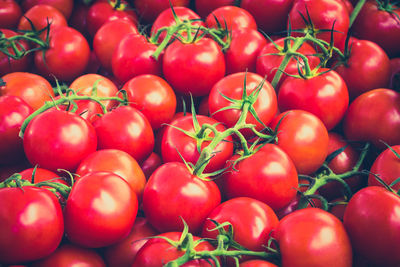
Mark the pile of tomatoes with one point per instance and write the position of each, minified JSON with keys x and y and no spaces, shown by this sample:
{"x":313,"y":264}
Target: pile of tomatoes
{"x":251,"y":133}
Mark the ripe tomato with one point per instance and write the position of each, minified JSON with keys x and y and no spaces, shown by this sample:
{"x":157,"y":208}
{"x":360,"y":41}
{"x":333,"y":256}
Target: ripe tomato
{"x":257,"y":263}
{"x":8,"y":64}
{"x":41,"y":175}
{"x":193,"y":68}
{"x":118,"y":162}
{"x":316,"y":237}
{"x":167,"y":197}
{"x":100,"y":210}
{"x":387,"y":167}
{"x":383,"y":124}
{"x":65,"y":6}
{"x":31,"y":224}
{"x":61,"y":136}
{"x":372,"y":219}
{"x":231,"y":17}
{"x":269,"y":175}
{"x":150,"y":9}
{"x":304,"y":138}
{"x":10,"y":13}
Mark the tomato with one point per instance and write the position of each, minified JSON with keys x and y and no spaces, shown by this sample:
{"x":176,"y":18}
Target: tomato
{"x":387,"y":167}
{"x":379,"y":24}
{"x":269,"y":175}
{"x":13,"y":112}
{"x":108,"y":37}
{"x":66,"y":57}
{"x":151,"y":164}
{"x":324,"y":15}
{"x":100,"y":210}
{"x":153,"y":96}
{"x":10,"y":13}
{"x":31,"y":224}
{"x":167,"y":197}
{"x":157,"y":252}
{"x":123,"y":253}
{"x":61,"y":136}
{"x":101,"y":12}
{"x":319,"y":95}
{"x":252,"y":221}
{"x":360,"y":124}
{"x":231,"y":18}
{"x":71,"y":255}
{"x":367,"y":68}
{"x":257,"y":263}
{"x":8,"y":64}
{"x":243,"y":50}
{"x":232,"y":86}
{"x":37,"y":175}
{"x":176,"y":144}
{"x":127,"y":63}
{"x":193,"y":68}
{"x":127,"y":129}
{"x":149,"y":10}
{"x":270,"y":15}
{"x":372,"y":221}
{"x":315,"y":236}
{"x":65,"y":6}
{"x":304,"y":138}
{"x":32,"y":88}
{"x":205,"y":7}
{"x":118,"y":162}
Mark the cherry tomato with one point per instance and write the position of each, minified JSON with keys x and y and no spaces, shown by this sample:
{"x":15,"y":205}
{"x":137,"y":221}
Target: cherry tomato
{"x":257,"y":263}
{"x":65,"y":6}
{"x":150,"y":9}
{"x":232,"y":18}
{"x":387,"y":167}
{"x":37,"y":175}
{"x":10,"y":14}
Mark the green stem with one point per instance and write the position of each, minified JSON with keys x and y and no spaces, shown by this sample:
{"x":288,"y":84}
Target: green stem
{"x":356,"y":11}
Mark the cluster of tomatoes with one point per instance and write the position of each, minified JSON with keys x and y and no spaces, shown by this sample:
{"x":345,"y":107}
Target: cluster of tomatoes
{"x":251,"y":133}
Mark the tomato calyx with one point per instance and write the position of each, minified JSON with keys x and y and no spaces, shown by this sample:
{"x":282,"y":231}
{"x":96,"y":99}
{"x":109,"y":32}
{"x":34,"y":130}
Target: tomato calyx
{"x":389,"y":7}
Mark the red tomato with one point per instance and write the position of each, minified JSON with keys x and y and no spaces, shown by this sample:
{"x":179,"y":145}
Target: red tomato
{"x":367,"y":68}
{"x":379,"y":24}
{"x":257,"y":263}
{"x":31,"y":224}
{"x":319,"y":95}
{"x":8,"y":64}
{"x":304,"y":138}
{"x":10,"y":13}
{"x":13,"y":112}
{"x":123,"y":253}
{"x":118,"y":162}
{"x":41,"y":175}
{"x":383,"y":124}
{"x":32,"y":88}
{"x":71,"y":255}
{"x":64,"y":6}
{"x":66,"y":57}
{"x":205,"y":7}
{"x":150,"y":9}
{"x":252,"y":221}
{"x":153,"y":96}
{"x":108,"y":37}
{"x":61,"y":136}
{"x":232,"y":86}
{"x":151,"y":164}
{"x":387,"y":167}
{"x":372,"y":219}
{"x":269,"y":176}
{"x":316,"y":237}
{"x":232,"y":18}
{"x":167,"y":197}
{"x":100,"y":210}
{"x":193,"y":68}
{"x":157,"y":252}
{"x":176,"y":144}
{"x":127,"y":63}
{"x":127,"y":129}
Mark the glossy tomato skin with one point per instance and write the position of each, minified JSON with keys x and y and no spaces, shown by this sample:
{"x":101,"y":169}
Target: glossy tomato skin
{"x":367,"y":68}
{"x":176,"y":144}
{"x":232,"y":86}
{"x":31,"y":224}
{"x":379,"y":26}
{"x":123,"y":253}
{"x":252,"y":221}
{"x":193,"y":68}
{"x":372,"y":218}
{"x":65,"y":6}
{"x":8,"y":64}
{"x":151,"y":9}
{"x":61,"y":136}
{"x":118,"y":162}
{"x":316,"y":237}
{"x":269,"y":175}
{"x":127,"y":63}
{"x":234,"y":17}
{"x":127,"y":129}
{"x":67,"y":56}
{"x":319,"y":95}
{"x":360,"y":124}
{"x":167,"y":197}
{"x":304,"y":138}
{"x":257,"y":263}
{"x":100,"y":210}
{"x":157,"y":252}
{"x":13,"y":112}
{"x":10,"y":13}
{"x":71,"y":255}
{"x":387,"y":167}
